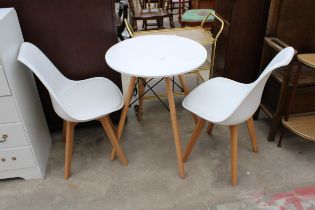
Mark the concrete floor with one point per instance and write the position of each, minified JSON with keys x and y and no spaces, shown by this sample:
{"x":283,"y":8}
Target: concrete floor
{"x":270,"y":179}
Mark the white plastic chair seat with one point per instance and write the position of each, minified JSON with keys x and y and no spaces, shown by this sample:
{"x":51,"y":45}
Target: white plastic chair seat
{"x":216,"y":99}
{"x":91,"y":99}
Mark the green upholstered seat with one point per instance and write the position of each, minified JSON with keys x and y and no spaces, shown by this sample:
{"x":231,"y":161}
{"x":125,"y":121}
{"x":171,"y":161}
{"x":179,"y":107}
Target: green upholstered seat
{"x":197,"y":15}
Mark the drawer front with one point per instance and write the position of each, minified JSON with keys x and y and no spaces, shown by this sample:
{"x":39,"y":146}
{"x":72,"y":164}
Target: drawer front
{"x":8,"y":111}
{"x":12,"y":135}
{"x":4,"y":86}
{"x":16,"y":158}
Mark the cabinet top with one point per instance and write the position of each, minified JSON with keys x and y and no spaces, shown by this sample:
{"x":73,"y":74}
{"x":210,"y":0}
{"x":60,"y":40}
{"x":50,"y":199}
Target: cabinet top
{"x":4,"y":12}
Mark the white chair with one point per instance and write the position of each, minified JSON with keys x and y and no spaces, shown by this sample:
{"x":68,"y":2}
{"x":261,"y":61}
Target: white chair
{"x":75,"y":101}
{"x":225,"y":102}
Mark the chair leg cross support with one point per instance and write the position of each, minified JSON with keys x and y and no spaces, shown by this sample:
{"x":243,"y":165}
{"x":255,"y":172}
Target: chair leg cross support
{"x":68,"y":134}
{"x":194,"y":137}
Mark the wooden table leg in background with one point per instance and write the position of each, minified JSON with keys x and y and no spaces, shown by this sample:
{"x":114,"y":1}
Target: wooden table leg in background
{"x":124,"y":113}
{"x":141,"y":89}
{"x":176,"y":133}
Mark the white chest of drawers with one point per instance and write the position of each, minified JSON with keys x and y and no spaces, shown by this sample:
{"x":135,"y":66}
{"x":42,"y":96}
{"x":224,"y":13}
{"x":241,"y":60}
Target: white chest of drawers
{"x":24,"y":137}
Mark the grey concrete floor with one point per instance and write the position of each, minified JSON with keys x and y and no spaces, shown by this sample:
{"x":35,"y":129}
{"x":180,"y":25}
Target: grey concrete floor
{"x":151,"y":180}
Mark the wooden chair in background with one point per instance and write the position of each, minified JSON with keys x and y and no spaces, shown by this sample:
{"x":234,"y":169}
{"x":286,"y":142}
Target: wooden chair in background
{"x":145,"y":13}
{"x":120,"y":17}
{"x":195,"y":16}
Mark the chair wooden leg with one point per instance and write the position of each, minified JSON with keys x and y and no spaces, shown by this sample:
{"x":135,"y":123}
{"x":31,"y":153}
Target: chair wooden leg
{"x":176,"y":133}
{"x":69,"y":145}
{"x":252,"y":133}
{"x":113,"y":139}
{"x":193,"y":138}
{"x":233,"y":131}
{"x":141,"y":88}
{"x":123,"y":115}
{"x":186,"y":92}
{"x":210,"y":128}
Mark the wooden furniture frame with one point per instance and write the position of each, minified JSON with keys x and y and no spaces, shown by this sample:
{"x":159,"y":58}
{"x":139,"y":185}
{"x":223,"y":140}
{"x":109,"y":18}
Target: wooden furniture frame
{"x":301,"y":124}
{"x":276,"y":45}
{"x":146,"y":14}
{"x":287,"y":18}
{"x":274,"y":103}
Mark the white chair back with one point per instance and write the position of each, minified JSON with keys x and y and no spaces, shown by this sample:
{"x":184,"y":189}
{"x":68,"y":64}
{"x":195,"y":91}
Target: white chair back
{"x":250,"y":103}
{"x":55,"y":82}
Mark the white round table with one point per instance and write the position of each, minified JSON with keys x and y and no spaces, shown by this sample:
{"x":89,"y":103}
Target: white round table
{"x":156,"y":56}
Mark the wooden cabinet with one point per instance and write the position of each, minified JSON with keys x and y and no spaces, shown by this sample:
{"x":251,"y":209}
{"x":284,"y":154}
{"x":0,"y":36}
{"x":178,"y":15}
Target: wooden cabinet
{"x":74,"y":34}
{"x":239,"y":48}
{"x":291,"y":21}
{"x":24,"y":136}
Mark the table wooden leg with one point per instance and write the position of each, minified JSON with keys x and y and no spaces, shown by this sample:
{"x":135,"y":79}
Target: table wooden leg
{"x":141,"y":89}
{"x":186,"y":92}
{"x":176,"y":133}
{"x":124,"y":113}
{"x":233,"y":131}
{"x":210,"y":128}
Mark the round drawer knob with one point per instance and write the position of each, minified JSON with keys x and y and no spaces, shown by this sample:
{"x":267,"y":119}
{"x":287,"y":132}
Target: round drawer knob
{"x":3,"y":159}
{"x":13,"y":158}
{"x":4,"y":138}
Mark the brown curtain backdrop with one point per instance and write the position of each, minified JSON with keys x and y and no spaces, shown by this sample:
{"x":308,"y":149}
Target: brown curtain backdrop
{"x":74,"y":34}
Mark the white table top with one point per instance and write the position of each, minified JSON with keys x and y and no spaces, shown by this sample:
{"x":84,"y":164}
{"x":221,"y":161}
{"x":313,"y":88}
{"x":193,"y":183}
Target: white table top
{"x":156,"y":56}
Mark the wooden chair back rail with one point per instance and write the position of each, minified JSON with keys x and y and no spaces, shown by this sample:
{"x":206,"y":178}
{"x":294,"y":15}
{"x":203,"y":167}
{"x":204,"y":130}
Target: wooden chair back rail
{"x":139,"y":11}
